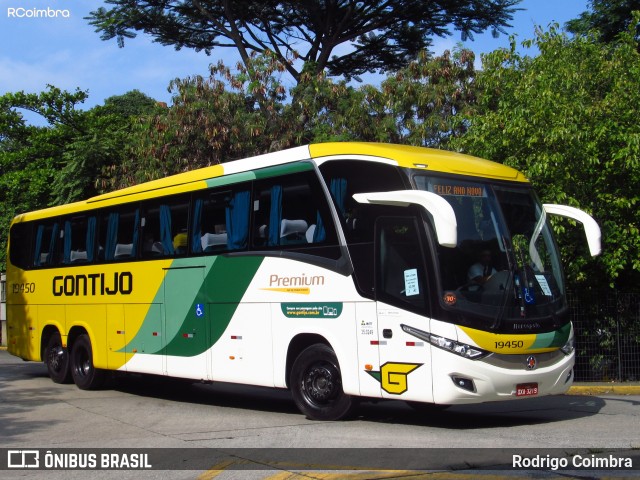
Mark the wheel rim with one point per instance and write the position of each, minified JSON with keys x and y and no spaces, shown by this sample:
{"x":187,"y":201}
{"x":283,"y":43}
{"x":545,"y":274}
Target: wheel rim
{"x":83,"y":363}
{"x":57,"y":358}
{"x":321,"y":383}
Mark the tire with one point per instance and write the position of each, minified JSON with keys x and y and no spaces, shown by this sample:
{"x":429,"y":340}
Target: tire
{"x":85,"y":375}
{"x":316,"y":385}
{"x":56,"y":358}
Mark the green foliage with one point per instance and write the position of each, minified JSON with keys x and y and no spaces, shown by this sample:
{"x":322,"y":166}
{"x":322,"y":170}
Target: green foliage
{"x":567,"y":118}
{"x":44,"y":166}
{"x":103,"y":141}
{"x":607,"y":19}
{"x":31,"y":157}
{"x":237,"y":114}
{"x":345,"y":38}
{"x":212,"y":120}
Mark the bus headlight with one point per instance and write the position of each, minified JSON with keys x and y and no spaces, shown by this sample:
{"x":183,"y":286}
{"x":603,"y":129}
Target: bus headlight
{"x":462,"y":349}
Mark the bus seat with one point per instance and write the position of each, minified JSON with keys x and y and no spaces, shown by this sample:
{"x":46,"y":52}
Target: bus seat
{"x":292,"y":231}
{"x":123,"y":250}
{"x":211,"y":241}
{"x":309,"y":234}
{"x":78,"y":256}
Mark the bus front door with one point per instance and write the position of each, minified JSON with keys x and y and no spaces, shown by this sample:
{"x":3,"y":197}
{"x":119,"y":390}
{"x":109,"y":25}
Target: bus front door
{"x":402,"y":299}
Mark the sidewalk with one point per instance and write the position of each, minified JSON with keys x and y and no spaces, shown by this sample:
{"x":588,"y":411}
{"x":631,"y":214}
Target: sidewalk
{"x":602,"y":388}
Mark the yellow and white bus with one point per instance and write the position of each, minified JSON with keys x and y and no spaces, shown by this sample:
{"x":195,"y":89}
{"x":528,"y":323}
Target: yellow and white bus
{"x":338,"y":271}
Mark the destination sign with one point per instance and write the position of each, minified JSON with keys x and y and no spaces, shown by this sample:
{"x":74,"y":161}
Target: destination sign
{"x":460,"y":190}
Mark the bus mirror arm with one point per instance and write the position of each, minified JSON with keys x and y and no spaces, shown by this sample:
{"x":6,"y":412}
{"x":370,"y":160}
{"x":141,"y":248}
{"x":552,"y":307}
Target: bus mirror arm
{"x":444,"y":218}
{"x":591,"y":228}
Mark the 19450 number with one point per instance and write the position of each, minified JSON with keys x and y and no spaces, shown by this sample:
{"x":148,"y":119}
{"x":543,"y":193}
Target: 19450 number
{"x":510,"y":344}
{"x":23,"y":288}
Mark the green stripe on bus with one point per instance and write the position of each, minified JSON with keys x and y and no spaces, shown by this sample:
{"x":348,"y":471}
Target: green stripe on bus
{"x":283,"y":169}
{"x":556,"y":338}
{"x":230,"y":179}
{"x":205,"y":309}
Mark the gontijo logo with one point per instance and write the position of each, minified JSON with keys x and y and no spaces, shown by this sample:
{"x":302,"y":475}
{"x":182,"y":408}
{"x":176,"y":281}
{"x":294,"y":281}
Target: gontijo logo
{"x":393,"y":376}
{"x":21,"y":12}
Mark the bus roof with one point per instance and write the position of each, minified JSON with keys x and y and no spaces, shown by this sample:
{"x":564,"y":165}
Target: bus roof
{"x":426,"y":159}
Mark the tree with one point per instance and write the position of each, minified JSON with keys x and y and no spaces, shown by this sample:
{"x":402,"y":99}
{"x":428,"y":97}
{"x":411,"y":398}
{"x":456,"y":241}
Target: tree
{"x":31,"y":156}
{"x":568,"y":119}
{"x":344,"y":37}
{"x":217,"y":118}
{"x":41,"y":166}
{"x":102,"y":141}
{"x":608,"y":18}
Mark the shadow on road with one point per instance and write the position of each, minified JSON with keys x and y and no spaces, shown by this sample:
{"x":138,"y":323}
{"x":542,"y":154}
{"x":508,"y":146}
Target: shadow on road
{"x":464,"y":417}
{"x":22,"y":387}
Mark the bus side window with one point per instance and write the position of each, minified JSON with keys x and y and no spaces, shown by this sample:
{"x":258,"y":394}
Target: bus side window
{"x":21,"y":245}
{"x":119,"y":234}
{"x":79,"y":240}
{"x":165,"y":228}
{"x":221,"y":222}
{"x":291,"y":212}
{"x":48,"y":244}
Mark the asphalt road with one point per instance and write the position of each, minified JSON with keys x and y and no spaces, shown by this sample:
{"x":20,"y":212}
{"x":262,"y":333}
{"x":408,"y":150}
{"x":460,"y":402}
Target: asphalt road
{"x":142,"y":412}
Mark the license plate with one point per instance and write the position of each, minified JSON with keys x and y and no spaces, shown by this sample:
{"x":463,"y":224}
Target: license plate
{"x":526,"y":389}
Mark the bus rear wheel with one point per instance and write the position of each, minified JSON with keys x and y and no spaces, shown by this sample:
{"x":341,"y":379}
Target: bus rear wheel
{"x":56,"y":358}
{"x":85,"y":375}
{"x":316,"y":385}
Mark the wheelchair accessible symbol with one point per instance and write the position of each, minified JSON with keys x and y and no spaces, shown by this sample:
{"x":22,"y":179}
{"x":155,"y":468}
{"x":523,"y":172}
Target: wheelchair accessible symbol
{"x":199,"y":310}
{"x":528,"y":297}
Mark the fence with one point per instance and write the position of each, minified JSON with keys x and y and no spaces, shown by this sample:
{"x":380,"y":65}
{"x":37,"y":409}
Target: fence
{"x":607,"y":326}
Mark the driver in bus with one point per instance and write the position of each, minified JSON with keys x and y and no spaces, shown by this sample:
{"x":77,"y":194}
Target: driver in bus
{"x":481,"y":271}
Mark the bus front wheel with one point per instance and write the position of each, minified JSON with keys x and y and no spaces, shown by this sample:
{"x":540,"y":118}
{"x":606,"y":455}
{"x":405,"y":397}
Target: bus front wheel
{"x":316,"y":385}
{"x":56,"y":357}
{"x":85,"y":375}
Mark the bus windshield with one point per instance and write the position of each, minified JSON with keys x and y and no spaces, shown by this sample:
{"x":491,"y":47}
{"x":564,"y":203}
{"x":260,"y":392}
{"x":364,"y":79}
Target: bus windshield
{"x":505,"y":264}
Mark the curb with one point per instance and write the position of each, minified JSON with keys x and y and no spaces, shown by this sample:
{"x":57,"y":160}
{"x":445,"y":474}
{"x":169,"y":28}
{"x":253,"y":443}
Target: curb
{"x":603,"y":389}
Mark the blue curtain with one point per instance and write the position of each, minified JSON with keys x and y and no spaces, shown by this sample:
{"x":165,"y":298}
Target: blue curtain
{"x":136,"y":233}
{"x":91,"y":238}
{"x":36,"y":255}
{"x":319,"y":234}
{"x":275,"y":216}
{"x":338,"y":189}
{"x":196,"y":227}
{"x":67,"y":242}
{"x":52,"y":243}
{"x":165,"y":230}
{"x":237,"y":220}
{"x":112,"y":236}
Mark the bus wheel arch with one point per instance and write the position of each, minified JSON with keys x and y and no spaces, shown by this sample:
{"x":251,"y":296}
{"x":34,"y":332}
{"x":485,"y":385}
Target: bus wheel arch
{"x":85,"y":375}
{"x":315,"y":382}
{"x":55,"y":355}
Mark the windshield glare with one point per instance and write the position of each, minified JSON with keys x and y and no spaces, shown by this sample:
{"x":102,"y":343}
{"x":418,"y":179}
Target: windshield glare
{"x":505,"y":262}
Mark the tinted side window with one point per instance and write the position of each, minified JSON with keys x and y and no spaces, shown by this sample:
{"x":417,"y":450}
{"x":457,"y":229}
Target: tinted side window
{"x":291,"y":212}
{"x":344,"y":178}
{"x":79,"y":239}
{"x":48,"y":243}
{"x":400,"y":267}
{"x":221,"y":221}
{"x":164,"y":232}
{"x":119,"y":232}
{"x":20,"y":246}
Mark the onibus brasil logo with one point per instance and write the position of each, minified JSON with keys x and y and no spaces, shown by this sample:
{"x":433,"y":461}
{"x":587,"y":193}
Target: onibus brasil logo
{"x":393,"y":376}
